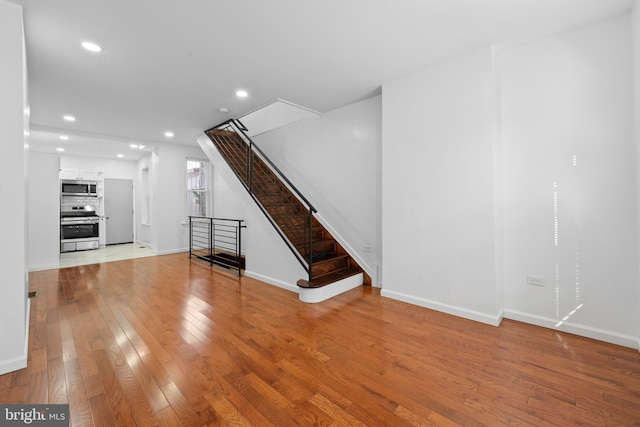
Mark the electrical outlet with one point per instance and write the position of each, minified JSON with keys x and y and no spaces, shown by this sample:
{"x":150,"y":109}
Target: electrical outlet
{"x":535,"y":280}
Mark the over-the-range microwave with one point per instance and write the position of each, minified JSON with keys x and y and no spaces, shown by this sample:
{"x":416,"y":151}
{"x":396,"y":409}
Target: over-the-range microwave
{"x":78,"y":188}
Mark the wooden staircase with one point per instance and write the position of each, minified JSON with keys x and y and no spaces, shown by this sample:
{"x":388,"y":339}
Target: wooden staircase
{"x":322,"y":256}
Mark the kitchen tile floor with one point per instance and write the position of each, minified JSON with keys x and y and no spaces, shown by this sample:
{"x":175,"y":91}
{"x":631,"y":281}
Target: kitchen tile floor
{"x":105,"y":254}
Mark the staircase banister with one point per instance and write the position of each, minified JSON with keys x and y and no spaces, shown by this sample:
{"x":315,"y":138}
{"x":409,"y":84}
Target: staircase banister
{"x":218,"y":219}
{"x":241,"y":127}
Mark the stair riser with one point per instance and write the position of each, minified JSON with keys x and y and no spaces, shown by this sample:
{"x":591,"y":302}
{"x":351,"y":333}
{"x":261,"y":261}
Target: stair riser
{"x":316,"y":234}
{"x":325,"y":267}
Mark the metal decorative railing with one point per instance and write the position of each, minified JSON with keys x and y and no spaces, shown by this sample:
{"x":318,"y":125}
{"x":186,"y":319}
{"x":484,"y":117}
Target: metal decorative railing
{"x":217,"y":241}
{"x":287,"y":209}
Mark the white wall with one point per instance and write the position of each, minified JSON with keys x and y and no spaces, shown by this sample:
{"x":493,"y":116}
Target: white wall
{"x":169,"y":231}
{"x":556,"y":134}
{"x":438,"y":188}
{"x":143,"y":229}
{"x":14,"y":305}
{"x":44,"y":210}
{"x":569,"y":182}
{"x":635,"y":23}
{"x":333,"y":160}
{"x":226,"y":203}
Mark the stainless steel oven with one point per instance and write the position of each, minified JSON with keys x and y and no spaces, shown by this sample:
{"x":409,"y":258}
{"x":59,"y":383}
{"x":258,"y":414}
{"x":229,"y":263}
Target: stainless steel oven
{"x":79,"y":229}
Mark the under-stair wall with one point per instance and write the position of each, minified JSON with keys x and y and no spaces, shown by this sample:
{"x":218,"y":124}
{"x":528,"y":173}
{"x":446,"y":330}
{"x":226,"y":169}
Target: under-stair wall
{"x":326,"y":262}
{"x":345,"y":187}
{"x":267,"y":257}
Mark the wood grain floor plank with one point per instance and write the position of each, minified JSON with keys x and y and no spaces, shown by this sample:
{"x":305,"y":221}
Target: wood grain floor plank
{"x":133,"y":391}
{"x":54,"y":342}
{"x":18,"y":394}
{"x":102,"y":415}
{"x":118,"y":406}
{"x":80,"y":413}
{"x":38,"y":387}
{"x":187,"y":413}
{"x":229,"y":414}
{"x":171,"y":341}
{"x":341,"y":418}
{"x":81,"y":343}
{"x":168,"y":417}
{"x":57,"y":386}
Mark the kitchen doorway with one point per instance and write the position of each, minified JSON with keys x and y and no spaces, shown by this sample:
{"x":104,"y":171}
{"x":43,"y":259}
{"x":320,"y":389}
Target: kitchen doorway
{"x":118,"y":211}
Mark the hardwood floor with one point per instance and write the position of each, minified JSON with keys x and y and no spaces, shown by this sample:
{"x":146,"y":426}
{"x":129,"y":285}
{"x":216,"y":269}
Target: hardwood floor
{"x":170,"y":341}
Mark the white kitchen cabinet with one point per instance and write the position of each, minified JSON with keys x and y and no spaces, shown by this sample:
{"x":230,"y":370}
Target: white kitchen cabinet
{"x":79,"y":174}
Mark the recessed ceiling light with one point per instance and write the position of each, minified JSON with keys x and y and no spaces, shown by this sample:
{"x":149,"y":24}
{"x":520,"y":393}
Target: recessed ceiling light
{"x":69,"y":118}
{"x":168,"y":134}
{"x":91,"y":47}
{"x":59,"y":149}
{"x":63,"y":137}
{"x":120,"y":155}
{"x":133,"y":145}
{"x":242,"y":93}
{"x":141,"y":146}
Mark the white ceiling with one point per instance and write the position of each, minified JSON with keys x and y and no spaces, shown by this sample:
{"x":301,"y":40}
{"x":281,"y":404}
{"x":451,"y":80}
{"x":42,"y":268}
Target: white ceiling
{"x":170,"y":65}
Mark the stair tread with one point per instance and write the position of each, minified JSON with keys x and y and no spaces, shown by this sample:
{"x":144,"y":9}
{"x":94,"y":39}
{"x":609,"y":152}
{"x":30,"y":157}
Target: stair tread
{"x":329,"y":278}
{"x":322,"y":241}
{"x":330,"y":257}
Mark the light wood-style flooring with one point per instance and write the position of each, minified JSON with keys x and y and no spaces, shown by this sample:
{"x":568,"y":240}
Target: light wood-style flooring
{"x":105,"y":254}
{"x":170,"y":341}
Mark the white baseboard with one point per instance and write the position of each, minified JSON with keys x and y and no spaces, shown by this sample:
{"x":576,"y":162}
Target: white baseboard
{"x":477,"y":316}
{"x":576,"y":329}
{"x":171,"y":251}
{"x":315,"y":295}
{"x":272,"y":281}
{"x":48,"y":266}
{"x":7,"y":366}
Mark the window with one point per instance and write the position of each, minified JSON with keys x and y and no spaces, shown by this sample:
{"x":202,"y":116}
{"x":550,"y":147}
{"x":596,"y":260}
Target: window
{"x":197,"y":187}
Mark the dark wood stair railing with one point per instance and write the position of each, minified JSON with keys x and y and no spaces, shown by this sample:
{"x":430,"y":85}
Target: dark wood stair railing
{"x":324,"y":259}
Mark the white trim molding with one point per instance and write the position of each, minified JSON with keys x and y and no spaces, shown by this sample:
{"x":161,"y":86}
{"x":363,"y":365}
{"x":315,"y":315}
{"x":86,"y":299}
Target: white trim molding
{"x":314,"y":295}
{"x":493,"y":320}
{"x":11,"y":365}
{"x":574,"y":328}
{"x":271,"y":281}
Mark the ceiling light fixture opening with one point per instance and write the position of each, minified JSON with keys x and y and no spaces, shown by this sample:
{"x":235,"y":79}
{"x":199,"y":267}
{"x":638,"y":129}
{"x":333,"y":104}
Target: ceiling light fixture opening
{"x":120,"y":155}
{"x":60,"y":149}
{"x":63,"y":137}
{"x":242,"y":93}
{"x":69,"y":118}
{"x":133,"y":145}
{"x":168,"y":134}
{"x":91,"y":47}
